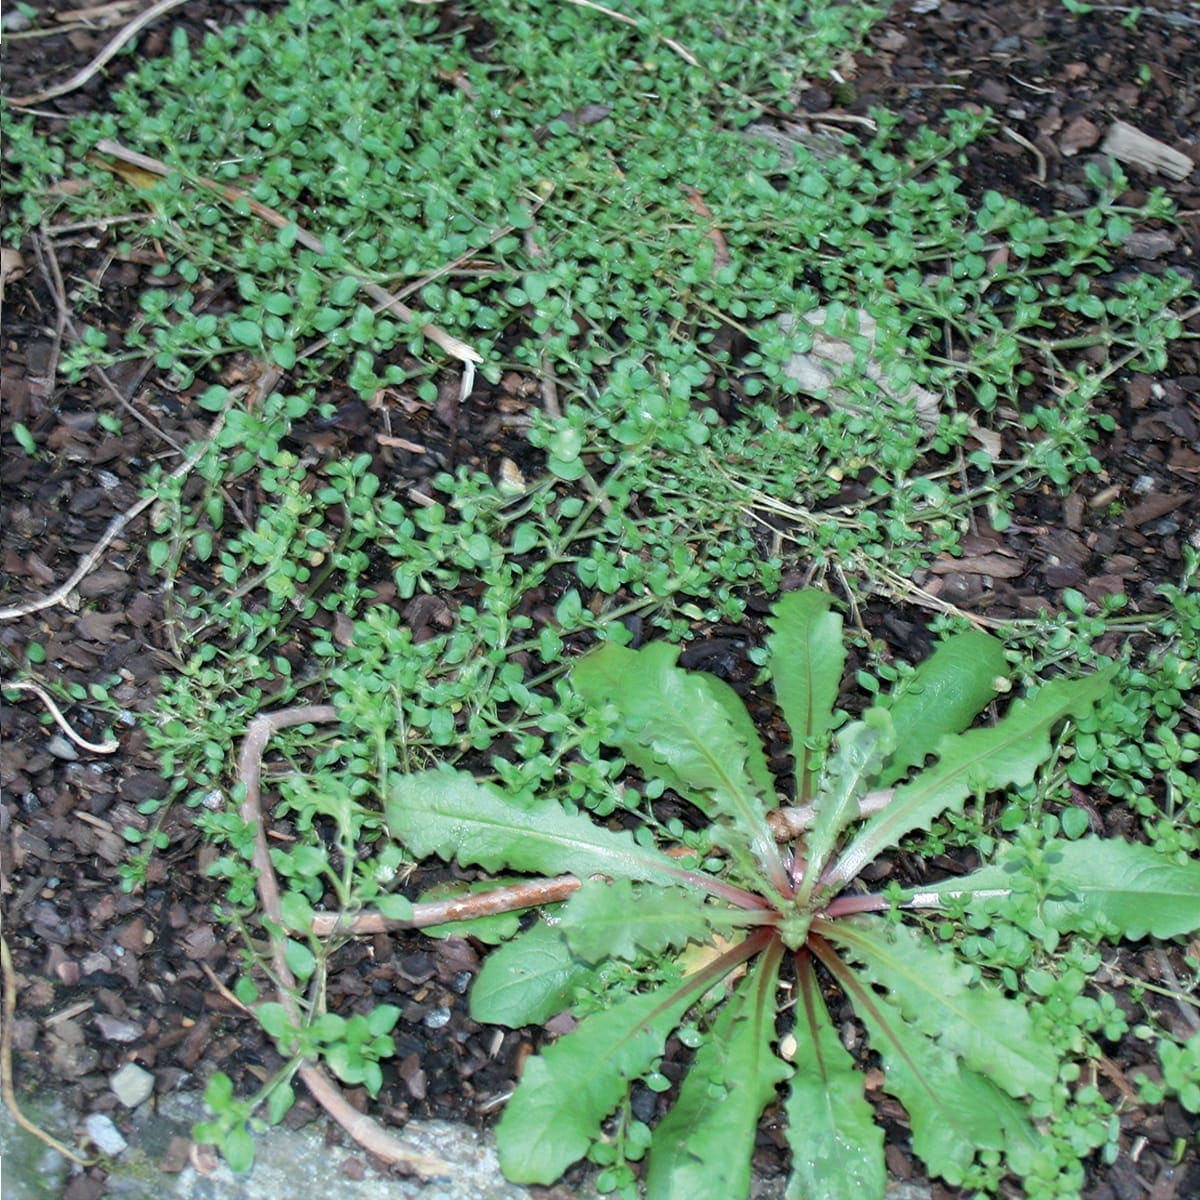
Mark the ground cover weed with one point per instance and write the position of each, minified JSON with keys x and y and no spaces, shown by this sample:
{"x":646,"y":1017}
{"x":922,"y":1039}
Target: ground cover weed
{"x":531,"y":175}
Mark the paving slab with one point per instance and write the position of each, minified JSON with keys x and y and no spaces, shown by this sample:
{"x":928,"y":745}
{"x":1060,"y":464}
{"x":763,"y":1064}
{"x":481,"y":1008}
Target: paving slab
{"x":288,"y":1163}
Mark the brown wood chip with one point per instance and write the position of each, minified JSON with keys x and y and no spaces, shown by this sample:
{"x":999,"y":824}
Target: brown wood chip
{"x":999,"y":566}
{"x":1157,"y":504}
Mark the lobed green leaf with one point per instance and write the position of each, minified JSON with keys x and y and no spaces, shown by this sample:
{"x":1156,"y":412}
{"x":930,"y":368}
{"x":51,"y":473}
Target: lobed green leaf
{"x":954,"y":1112}
{"x":837,"y":1148}
{"x":449,"y":814}
{"x":691,"y":730}
{"x":629,"y":685}
{"x":621,"y":920}
{"x":1102,"y":886}
{"x":943,"y":696}
{"x":861,"y":749}
{"x":701,"y":1150}
{"x":566,"y":1091}
{"x":806,"y":663}
{"x":945,"y":998}
{"x":978,"y":761}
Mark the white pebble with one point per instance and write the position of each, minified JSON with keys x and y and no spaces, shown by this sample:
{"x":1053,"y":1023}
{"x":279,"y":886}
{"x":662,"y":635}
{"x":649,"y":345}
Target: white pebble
{"x":132,"y":1085}
{"x":105,"y":1135}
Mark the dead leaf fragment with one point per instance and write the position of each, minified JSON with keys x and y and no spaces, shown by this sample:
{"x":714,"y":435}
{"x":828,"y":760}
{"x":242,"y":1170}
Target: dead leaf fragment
{"x":828,"y":358}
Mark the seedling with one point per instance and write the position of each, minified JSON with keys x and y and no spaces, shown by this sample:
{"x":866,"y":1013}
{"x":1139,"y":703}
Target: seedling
{"x":749,"y":933}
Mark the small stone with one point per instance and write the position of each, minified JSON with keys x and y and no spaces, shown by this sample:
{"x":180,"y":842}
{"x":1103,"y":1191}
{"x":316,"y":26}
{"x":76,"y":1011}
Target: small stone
{"x":175,"y":1157}
{"x":95,"y":963}
{"x":104,"y":583}
{"x":438,"y":1018}
{"x":69,"y":1056}
{"x":1163,"y":527}
{"x":67,"y":972}
{"x":993,"y":92}
{"x":132,"y":1085}
{"x":113,"y":1029}
{"x":61,"y":747}
{"x":104,"y":1134}
{"x":352,"y":1168}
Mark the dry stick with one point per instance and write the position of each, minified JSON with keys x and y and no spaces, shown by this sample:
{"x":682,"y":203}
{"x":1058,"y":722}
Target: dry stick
{"x":682,"y":51}
{"x":510,"y":898}
{"x":416,"y":285}
{"x":448,"y":342}
{"x":92,"y":12}
{"x":1039,"y":157}
{"x":115,"y":526}
{"x":789,"y":822}
{"x":223,"y":991}
{"x":6,"y":1072}
{"x":27,"y":685}
{"x":1186,"y":1011}
{"x":52,"y":276}
{"x":81,"y":77}
{"x":48,"y":262}
{"x":363,"y":1129}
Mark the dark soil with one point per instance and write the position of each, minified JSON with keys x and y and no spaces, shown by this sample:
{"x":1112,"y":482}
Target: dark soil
{"x":103,"y":977}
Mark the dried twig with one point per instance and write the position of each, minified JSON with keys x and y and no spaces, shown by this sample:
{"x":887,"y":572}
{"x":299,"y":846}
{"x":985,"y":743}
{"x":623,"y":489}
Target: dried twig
{"x":448,"y":342}
{"x":43,"y":248}
{"x":6,"y":1064}
{"x":115,"y":526}
{"x":362,"y":1128}
{"x":81,"y":77}
{"x":682,"y":51}
{"x":1169,"y":16}
{"x":510,"y":898}
{"x":27,"y":685}
{"x":1188,"y":1010}
{"x":222,"y":990}
{"x":1039,"y":157}
{"x":48,"y":266}
{"x":791,"y":821}
{"x":69,"y":16}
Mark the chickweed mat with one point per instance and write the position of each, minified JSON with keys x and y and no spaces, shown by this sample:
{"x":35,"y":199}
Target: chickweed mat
{"x":606,"y":210}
